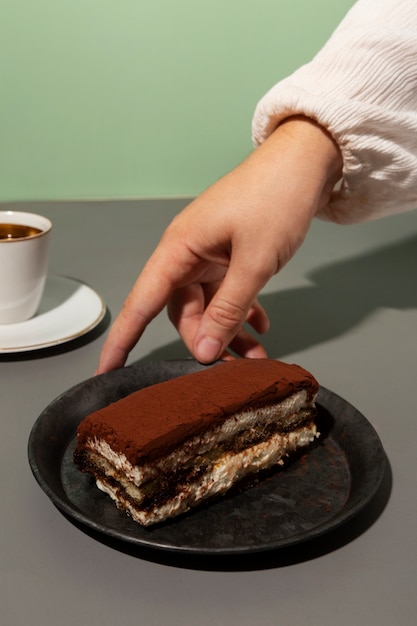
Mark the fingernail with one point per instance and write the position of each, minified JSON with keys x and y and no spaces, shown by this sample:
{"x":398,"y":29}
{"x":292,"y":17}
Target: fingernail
{"x":208,"y":349}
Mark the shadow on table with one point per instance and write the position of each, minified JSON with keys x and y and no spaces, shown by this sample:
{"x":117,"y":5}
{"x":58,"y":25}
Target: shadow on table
{"x":252,"y":561}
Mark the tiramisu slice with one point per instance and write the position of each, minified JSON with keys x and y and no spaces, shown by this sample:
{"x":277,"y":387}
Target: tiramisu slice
{"x":166,"y":448}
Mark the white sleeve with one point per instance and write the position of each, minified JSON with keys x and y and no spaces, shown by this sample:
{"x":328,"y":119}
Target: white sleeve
{"x":362,"y":87}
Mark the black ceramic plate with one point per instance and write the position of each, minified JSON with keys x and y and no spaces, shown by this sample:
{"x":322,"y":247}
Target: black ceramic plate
{"x":313,"y":495}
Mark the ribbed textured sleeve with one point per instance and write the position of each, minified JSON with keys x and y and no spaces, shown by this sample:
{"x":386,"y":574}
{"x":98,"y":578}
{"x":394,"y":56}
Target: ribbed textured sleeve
{"x":362,"y":87}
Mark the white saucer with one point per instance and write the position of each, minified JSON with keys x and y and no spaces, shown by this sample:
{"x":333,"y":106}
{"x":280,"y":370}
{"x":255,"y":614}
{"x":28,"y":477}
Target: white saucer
{"x":69,"y":309}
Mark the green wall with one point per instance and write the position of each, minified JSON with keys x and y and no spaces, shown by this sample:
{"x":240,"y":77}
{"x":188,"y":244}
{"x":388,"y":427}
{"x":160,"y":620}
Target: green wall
{"x":140,"y":98}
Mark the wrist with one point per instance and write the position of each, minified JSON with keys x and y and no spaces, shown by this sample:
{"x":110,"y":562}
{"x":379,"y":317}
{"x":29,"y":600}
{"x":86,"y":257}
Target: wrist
{"x":316,"y":152}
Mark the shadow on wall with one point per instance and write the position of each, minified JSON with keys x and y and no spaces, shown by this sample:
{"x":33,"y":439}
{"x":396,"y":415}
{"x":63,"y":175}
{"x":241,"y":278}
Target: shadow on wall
{"x":340,"y":297}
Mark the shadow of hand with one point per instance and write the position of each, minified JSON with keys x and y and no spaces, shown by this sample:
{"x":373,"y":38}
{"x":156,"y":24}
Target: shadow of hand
{"x":341,"y":296}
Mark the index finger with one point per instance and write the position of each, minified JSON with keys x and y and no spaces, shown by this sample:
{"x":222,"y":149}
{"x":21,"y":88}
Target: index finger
{"x":148,"y":297}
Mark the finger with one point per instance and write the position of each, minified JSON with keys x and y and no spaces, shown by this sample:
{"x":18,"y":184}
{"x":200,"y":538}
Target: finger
{"x":185,"y":310}
{"x":247,"y":346}
{"x":147,"y":298}
{"x":229,"y":308}
{"x":243,"y":344}
{"x":258,"y":318}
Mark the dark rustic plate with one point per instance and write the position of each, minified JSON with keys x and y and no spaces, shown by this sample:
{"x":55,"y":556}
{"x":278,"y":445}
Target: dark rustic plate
{"x":313,"y":495}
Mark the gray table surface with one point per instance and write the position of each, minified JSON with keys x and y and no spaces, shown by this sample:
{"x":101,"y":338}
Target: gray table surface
{"x":345,"y":308}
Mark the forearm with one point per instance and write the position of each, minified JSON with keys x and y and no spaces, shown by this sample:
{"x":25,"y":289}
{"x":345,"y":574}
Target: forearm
{"x":361,"y":87}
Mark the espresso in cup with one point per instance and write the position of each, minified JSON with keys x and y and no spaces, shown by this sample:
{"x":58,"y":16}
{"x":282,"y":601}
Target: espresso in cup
{"x":17,"y":231}
{"x":24,"y":250}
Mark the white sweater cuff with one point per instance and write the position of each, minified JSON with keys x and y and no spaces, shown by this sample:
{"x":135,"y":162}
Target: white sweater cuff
{"x":362,"y":87}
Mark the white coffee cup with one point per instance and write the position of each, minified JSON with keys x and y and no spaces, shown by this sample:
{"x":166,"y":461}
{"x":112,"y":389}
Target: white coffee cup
{"x":24,"y":252}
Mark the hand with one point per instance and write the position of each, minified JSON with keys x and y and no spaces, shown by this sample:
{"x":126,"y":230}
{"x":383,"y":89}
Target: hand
{"x":220,"y":251}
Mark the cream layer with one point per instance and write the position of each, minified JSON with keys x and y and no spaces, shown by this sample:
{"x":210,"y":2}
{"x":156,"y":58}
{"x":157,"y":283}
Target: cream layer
{"x":230,"y":468}
{"x":199,"y":445}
